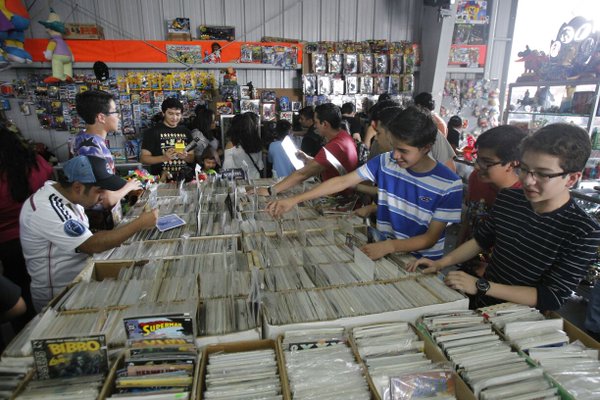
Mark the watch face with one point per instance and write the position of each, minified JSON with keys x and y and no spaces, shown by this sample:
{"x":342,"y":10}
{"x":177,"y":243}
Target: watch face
{"x":482,"y":285}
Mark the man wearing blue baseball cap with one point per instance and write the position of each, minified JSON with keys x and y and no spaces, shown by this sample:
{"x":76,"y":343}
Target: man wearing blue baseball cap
{"x":55,"y":233}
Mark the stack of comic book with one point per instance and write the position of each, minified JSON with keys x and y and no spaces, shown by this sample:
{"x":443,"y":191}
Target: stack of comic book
{"x":483,"y":359}
{"x":393,"y":354}
{"x":161,"y":358}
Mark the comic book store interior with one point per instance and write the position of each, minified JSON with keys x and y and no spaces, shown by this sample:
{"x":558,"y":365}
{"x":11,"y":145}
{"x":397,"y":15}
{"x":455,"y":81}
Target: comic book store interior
{"x":299,"y":199}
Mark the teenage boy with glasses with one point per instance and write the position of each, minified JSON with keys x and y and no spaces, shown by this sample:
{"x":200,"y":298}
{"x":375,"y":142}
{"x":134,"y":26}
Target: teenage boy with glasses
{"x":543,"y":242}
{"x":497,"y":157}
{"x":99,"y":111}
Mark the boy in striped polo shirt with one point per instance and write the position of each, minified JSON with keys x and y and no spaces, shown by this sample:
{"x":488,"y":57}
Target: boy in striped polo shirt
{"x":543,"y":242}
{"x":417,"y":196}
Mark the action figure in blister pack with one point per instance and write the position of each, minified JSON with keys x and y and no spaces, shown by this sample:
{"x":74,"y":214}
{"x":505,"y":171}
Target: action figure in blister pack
{"x":350,"y":64}
{"x":319,"y":63}
{"x":352,"y":84}
{"x":396,"y":63}
{"x":366,"y":84}
{"x":338,"y":86}
{"x":366,"y":63}
{"x":381,"y":84}
{"x":246,"y":54}
{"x":395,"y":84}
{"x":408,"y":83}
{"x":335,"y":63}
{"x":310,"y":84}
{"x":381,"y":63}
{"x":324,"y":84}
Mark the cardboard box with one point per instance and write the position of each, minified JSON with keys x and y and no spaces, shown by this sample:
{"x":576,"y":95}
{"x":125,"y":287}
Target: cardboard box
{"x":84,"y":31}
{"x":238,"y":347}
{"x":356,"y":357}
{"x":575,"y":333}
{"x":109,"y":384}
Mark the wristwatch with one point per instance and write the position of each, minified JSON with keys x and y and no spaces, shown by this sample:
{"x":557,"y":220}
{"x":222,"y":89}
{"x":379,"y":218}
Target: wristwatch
{"x":482,"y":286}
{"x":271,"y":190}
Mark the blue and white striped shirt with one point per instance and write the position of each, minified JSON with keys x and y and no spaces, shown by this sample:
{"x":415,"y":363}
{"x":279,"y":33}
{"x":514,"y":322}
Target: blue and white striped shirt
{"x":408,"y":201}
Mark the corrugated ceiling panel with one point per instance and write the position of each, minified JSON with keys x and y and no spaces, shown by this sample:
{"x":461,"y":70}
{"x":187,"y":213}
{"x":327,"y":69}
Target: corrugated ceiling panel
{"x":233,"y":12}
{"x":382,"y":19}
{"x":134,"y":26}
{"x":329,"y":17}
{"x":153,"y":17}
{"x":172,"y":9}
{"x":273,"y":17}
{"x":364,"y":26}
{"x":218,"y":12}
{"x":310,"y":20}
{"x":292,"y":19}
{"x":254,"y":27}
{"x":347,"y":21}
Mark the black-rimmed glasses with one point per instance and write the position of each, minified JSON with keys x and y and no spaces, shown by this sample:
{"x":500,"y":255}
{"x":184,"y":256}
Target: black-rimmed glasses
{"x":539,"y":176}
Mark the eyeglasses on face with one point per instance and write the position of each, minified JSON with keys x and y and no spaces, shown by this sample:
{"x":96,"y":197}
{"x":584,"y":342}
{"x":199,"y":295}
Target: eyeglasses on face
{"x":111,"y":112}
{"x":486,"y":165}
{"x":538,"y":176}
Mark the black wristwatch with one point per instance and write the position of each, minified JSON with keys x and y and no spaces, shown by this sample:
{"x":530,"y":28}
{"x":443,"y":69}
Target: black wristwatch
{"x":482,"y":286}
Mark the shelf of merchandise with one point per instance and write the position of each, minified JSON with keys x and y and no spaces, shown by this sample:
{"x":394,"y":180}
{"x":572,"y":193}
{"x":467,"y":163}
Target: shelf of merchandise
{"x":121,"y":65}
{"x":536,"y":119}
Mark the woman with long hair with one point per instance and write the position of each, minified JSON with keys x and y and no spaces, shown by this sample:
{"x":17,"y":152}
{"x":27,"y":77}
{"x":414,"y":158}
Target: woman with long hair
{"x":245,"y":149}
{"x":22,"y":172}
{"x":204,"y":122}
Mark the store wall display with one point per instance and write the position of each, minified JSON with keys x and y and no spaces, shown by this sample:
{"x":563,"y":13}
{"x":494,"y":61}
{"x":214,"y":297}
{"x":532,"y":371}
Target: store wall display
{"x":341,"y":72}
{"x":474,"y":100}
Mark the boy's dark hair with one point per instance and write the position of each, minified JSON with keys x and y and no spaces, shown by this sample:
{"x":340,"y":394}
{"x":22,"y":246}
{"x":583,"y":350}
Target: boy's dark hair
{"x":91,"y":103}
{"x":374,"y":113}
{"x":455,"y":122}
{"x":331,"y":113}
{"x":503,"y":140}
{"x":414,"y":127}
{"x":388,"y":114}
{"x":384,"y":97}
{"x":282,"y":129}
{"x":425,"y":99}
{"x":171,"y":102}
{"x":348,"y":108}
{"x":307,"y":112}
{"x":208,"y":155}
{"x":570,"y":143}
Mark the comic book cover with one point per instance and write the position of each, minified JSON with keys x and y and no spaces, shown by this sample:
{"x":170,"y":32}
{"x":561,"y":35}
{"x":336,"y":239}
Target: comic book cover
{"x":70,"y":357}
{"x":171,"y":326}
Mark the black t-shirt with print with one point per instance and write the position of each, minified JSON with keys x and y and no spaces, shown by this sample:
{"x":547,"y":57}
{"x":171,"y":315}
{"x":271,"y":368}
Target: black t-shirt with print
{"x":158,"y":139}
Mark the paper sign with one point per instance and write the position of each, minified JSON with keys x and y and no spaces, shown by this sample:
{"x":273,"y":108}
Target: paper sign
{"x":364,"y":262}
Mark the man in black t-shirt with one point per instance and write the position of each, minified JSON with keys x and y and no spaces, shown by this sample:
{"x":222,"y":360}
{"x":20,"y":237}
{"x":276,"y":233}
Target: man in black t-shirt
{"x":163,"y":144}
{"x":311,"y":141}
{"x":354,"y":126}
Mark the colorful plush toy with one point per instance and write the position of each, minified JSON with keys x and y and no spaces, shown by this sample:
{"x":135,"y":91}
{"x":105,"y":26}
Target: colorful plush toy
{"x":58,"y":51}
{"x":14,"y":20}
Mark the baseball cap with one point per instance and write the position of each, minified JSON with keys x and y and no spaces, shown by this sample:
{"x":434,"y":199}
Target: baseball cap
{"x":91,"y":169}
